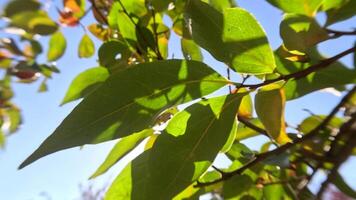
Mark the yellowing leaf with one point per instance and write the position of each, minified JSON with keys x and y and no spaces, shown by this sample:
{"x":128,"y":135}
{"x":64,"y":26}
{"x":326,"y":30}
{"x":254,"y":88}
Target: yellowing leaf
{"x":86,"y":47}
{"x":269,"y":104}
{"x":99,"y":31}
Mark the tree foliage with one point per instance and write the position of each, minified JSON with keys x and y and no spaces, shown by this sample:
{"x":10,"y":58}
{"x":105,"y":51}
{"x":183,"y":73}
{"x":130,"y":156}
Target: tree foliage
{"x":137,"y":87}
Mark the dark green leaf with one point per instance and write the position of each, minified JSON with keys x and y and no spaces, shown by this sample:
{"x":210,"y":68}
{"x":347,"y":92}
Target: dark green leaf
{"x":85,"y":83}
{"x":185,"y":150}
{"x":240,"y":151}
{"x":18,"y":6}
{"x":129,"y":101}
{"x":233,"y":37}
{"x":237,"y":186}
{"x":344,"y":12}
{"x":112,"y":55}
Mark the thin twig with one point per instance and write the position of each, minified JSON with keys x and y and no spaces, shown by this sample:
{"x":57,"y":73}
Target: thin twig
{"x":254,"y":127}
{"x":349,"y":128}
{"x":263,"y":156}
{"x":159,"y":55}
{"x":137,"y":27}
{"x":340,"y":33}
{"x":303,"y":73}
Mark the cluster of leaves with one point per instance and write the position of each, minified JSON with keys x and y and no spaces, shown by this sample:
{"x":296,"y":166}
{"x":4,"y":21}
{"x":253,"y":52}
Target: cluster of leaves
{"x":137,"y":88}
{"x":25,"y":22}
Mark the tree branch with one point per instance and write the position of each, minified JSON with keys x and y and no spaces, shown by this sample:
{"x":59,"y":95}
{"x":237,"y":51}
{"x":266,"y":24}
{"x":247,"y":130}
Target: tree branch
{"x":98,"y":11}
{"x":303,"y":73}
{"x":340,"y":33}
{"x":260,"y":157}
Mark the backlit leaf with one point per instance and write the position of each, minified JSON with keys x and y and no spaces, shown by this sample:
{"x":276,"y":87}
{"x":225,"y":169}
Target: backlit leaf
{"x":129,"y":101}
{"x":121,"y":149}
{"x":185,"y":150}
{"x":86,"y":47}
{"x":233,"y":37}
{"x":191,"y":51}
{"x":57,"y":46}
{"x":85,"y":83}
{"x":300,"y":32}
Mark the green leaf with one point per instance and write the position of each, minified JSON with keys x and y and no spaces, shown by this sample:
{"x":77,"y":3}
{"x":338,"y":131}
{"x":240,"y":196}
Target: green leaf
{"x":333,"y":4}
{"x":335,"y":75}
{"x":160,"y":5}
{"x":233,"y":37}
{"x":301,"y":32}
{"x":343,"y":186}
{"x":86,"y":47}
{"x":34,"y":22}
{"x":237,"y":186}
{"x":18,"y":6}
{"x":310,"y":123}
{"x":244,"y":132}
{"x":85,"y":83}
{"x":118,"y":19}
{"x":185,"y":150}
{"x":304,"y":7}
{"x":273,"y":192}
{"x":121,"y":149}
{"x":129,"y":101}
{"x":14,"y":116}
{"x":230,"y":140}
{"x":57,"y":46}
{"x":191,"y":51}
{"x":220,"y":5}
{"x":2,"y":140}
{"x":344,"y":12}
{"x":113,"y":55}
{"x":42,"y":26}
{"x":240,"y":151}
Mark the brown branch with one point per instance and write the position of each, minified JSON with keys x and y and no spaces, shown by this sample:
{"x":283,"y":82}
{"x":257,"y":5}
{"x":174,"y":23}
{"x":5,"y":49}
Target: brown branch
{"x":303,"y":73}
{"x":263,"y":156}
{"x":293,"y":179}
{"x":253,"y":127}
{"x":340,"y":33}
{"x":98,"y":11}
{"x":349,"y":128}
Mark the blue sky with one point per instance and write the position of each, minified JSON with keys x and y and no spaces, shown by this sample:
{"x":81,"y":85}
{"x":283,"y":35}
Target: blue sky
{"x":60,"y":174}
